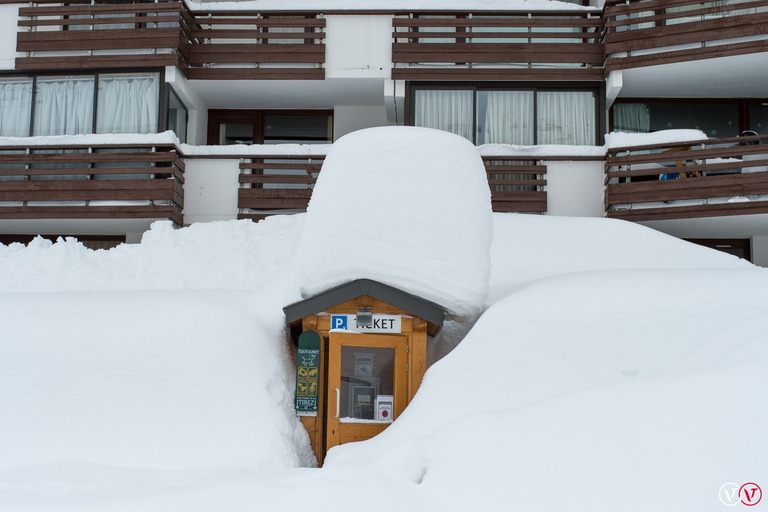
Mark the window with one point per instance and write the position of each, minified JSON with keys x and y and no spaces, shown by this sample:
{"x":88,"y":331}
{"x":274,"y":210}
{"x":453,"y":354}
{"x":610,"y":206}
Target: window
{"x":15,"y":106}
{"x":758,"y":118}
{"x":498,"y":115}
{"x":128,"y":103}
{"x":63,"y":105}
{"x":270,"y":127}
{"x":79,"y":104}
{"x":716,"y":118}
{"x":177,"y":117}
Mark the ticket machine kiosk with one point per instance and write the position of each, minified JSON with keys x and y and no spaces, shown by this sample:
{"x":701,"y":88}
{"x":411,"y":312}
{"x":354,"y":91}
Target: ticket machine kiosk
{"x":362,"y":353}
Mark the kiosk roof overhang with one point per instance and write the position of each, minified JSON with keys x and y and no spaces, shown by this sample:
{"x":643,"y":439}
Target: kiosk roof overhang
{"x":432,"y":313}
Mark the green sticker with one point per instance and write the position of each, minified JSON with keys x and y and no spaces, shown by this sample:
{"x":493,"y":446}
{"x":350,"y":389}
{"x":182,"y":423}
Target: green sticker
{"x":307,"y":374}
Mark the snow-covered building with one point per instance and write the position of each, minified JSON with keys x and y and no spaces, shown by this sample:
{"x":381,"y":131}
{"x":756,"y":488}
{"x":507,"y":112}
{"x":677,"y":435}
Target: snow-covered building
{"x":114,"y":114}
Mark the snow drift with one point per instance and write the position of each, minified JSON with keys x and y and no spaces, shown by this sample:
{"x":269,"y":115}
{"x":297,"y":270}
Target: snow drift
{"x":409,"y":207}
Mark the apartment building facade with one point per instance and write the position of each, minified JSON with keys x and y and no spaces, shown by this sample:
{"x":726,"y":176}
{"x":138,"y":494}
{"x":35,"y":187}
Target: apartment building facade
{"x":116,"y":114}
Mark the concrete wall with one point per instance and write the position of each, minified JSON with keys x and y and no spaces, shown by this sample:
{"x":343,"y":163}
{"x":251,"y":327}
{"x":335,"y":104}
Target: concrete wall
{"x":9,"y":18}
{"x":350,"y":119}
{"x":760,"y":250}
{"x":210,"y":190}
{"x":358,"y":46}
{"x":575,"y":189}
{"x":197,"y":111}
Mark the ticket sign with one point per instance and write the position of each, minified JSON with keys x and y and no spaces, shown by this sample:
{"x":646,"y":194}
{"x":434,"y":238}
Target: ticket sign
{"x":307,"y":374}
{"x":379,"y":324}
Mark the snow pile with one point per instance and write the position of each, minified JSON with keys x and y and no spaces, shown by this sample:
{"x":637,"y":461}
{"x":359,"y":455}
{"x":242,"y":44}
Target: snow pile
{"x":623,"y":139}
{"x":530,"y":247}
{"x":238,"y":255}
{"x":638,"y":385}
{"x":409,"y":207}
{"x":164,"y":380}
{"x":620,"y":381}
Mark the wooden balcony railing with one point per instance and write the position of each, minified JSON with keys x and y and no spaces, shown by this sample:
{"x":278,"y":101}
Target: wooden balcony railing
{"x":716,"y":177}
{"x":283,"y":184}
{"x":516,"y":186}
{"x":276,"y":184}
{"x":203,"y":44}
{"x":651,"y":32}
{"x":91,"y":182}
{"x":541,"y":45}
{"x":227,"y":46}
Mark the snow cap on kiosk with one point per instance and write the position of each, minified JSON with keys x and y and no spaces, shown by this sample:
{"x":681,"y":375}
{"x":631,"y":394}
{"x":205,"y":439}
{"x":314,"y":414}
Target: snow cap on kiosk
{"x":409,"y":207}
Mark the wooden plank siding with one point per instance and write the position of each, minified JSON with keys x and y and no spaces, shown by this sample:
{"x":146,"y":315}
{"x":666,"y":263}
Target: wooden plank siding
{"x":541,"y":45}
{"x":91,"y":182}
{"x":714,"y":177}
{"x":662,"y":31}
{"x":278,"y":184}
{"x":207,"y":44}
{"x":203,"y":44}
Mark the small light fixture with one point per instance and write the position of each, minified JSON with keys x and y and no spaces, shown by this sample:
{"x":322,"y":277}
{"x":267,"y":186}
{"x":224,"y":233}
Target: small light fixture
{"x":364,"y":317}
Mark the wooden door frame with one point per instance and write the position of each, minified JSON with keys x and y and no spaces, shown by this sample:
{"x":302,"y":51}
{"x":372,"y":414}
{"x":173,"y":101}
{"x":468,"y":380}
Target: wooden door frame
{"x":335,"y":432}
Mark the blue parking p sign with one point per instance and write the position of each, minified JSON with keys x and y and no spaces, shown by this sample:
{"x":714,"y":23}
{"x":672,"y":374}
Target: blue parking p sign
{"x":339,"y":322}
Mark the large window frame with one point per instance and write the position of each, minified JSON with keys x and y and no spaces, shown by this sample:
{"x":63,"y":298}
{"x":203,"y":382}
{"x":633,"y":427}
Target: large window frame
{"x":256,"y":118}
{"x":597,"y":89}
{"x":93,"y":127}
{"x":742,"y":108}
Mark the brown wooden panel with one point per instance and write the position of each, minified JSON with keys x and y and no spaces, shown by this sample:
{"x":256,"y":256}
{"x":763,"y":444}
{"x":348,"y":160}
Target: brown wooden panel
{"x":498,"y":52}
{"x":73,"y":22}
{"x":96,"y":61}
{"x":567,"y":19}
{"x":90,"y":212}
{"x":276,"y":178}
{"x":709,"y":52}
{"x":115,"y":39}
{"x":271,"y":53}
{"x":258,"y":199}
{"x":83,"y":190}
{"x":255,"y":73}
{"x":685,"y":33}
{"x":688,"y":212}
{"x":691,"y":188}
{"x":102,"y":8}
{"x":462,"y":73}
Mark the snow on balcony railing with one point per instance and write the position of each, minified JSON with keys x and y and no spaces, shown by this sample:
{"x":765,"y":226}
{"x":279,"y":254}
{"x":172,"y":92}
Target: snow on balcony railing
{"x":652,"y":32}
{"x":701,"y":178}
{"x":52,"y":178}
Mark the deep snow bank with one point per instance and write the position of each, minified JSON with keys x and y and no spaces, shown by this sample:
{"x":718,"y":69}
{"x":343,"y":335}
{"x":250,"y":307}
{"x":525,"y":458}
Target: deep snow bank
{"x":165,"y":380}
{"x":238,"y":255}
{"x":617,"y":373}
{"x":530,"y":247}
{"x":406,"y":206}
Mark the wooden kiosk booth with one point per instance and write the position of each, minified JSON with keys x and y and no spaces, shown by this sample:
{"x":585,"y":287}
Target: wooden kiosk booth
{"x":362,"y":353}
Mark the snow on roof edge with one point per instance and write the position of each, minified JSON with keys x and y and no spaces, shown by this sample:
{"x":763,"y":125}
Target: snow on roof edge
{"x":612,"y":140}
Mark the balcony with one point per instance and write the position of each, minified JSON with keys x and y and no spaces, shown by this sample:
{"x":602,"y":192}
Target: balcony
{"x":91,"y":182}
{"x":556,"y":45}
{"x":203,"y":44}
{"x":710,"y":178}
{"x":654,"y":32}
{"x":283,"y":184}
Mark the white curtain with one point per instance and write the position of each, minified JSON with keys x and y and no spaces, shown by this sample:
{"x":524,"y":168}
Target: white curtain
{"x":631,"y":117}
{"x":15,"y":108}
{"x":449,"y":110}
{"x":505,"y":117}
{"x":565,"y":117}
{"x":128,"y":103}
{"x":63,"y":106}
